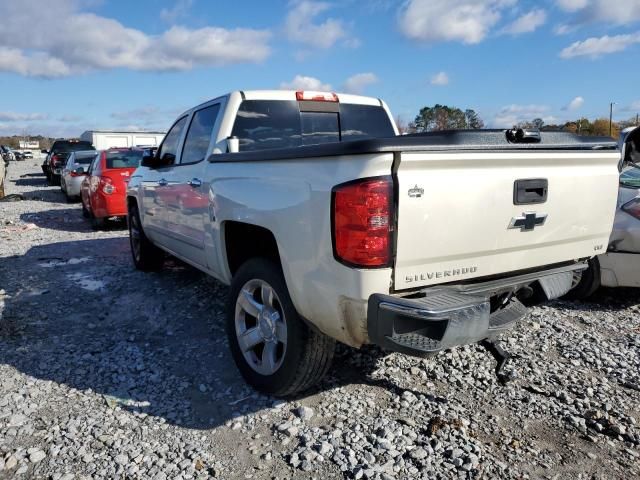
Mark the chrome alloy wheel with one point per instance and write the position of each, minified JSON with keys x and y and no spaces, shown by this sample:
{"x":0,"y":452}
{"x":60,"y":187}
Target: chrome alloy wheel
{"x":261,"y":327}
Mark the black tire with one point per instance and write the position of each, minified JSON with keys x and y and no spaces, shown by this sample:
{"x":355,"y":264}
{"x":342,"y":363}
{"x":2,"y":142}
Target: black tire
{"x":97,"y":223}
{"x":588,"y":282}
{"x":85,"y":212}
{"x":308,"y":353}
{"x":146,"y":256}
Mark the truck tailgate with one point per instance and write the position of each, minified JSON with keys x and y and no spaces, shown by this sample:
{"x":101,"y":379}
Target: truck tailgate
{"x":457,"y":217}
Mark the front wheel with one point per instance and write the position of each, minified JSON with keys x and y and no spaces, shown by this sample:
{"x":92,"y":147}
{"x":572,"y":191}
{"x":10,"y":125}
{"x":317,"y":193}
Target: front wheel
{"x":274,"y":349}
{"x":146,"y":256}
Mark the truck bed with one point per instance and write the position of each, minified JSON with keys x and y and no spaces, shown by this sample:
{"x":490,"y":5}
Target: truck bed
{"x":458,"y":211}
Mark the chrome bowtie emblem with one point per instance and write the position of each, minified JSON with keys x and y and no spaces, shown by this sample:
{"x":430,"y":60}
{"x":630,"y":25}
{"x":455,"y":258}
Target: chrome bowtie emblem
{"x":528,"y":221}
{"x":416,"y":192}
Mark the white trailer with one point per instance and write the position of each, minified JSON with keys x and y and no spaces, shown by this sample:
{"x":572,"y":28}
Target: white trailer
{"x":103,"y":139}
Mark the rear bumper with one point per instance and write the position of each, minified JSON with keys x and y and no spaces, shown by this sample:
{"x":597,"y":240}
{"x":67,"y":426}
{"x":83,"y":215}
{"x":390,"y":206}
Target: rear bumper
{"x":444,"y":317}
{"x":114,"y":205}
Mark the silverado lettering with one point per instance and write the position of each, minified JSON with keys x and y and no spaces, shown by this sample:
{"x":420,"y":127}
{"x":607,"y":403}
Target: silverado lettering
{"x":446,"y":273}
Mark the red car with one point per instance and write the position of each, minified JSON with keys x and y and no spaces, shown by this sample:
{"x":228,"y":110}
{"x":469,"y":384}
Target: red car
{"x":104,"y":190}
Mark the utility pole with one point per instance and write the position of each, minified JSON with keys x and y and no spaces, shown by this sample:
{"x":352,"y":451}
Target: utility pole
{"x":637,"y":123}
{"x":611,"y":118}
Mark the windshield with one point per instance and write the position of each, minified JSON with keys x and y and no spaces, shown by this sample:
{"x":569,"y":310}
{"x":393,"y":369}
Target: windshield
{"x":85,"y":158}
{"x":124,"y":158}
{"x":630,"y":177}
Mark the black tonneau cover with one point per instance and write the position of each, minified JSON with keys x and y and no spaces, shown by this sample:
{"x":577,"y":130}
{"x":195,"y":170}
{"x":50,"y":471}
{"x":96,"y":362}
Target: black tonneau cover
{"x":458,"y":140}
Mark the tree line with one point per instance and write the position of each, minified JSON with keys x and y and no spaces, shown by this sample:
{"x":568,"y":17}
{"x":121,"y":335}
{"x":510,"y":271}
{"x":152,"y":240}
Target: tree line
{"x":443,"y":117}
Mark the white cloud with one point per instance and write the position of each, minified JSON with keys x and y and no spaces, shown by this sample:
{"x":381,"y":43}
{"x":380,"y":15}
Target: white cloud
{"x":440,"y":79}
{"x":574,"y":104}
{"x":179,"y":9}
{"x":82,"y":42}
{"x":619,"y":12}
{"x":301,"y":82}
{"x":595,"y":47}
{"x":511,"y":115}
{"x":465,"y":21}
{"x":563,"y":29}
{"x":300,"y":26}
{"x":359,"y":82}
{"x":527,"y":23}
{"x":20,"y":117}
{"x":572,"y":5}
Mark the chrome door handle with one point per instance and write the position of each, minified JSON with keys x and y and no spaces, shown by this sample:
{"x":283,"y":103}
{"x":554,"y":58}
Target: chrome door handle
{"x":195,"y":182}
{"x":162,"y":182}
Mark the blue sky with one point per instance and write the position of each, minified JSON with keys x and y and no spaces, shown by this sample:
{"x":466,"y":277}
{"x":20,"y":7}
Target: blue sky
{"x":71,"y":65}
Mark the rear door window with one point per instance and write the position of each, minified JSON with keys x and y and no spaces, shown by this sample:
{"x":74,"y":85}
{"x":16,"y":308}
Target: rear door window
{"x":198,"y":137}
{"x":169,"y":147}
{"x":84,"y":158}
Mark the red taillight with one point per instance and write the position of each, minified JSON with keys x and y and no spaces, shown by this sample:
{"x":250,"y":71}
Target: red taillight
{"x":107,"y":187}
{"x":633,"y":208}
{"x":316,"y":96}
{"x":362,"y":222}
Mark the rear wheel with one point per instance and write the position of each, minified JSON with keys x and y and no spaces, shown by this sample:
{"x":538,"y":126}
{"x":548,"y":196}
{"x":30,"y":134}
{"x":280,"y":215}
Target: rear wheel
{"x":146,"y":256}
{"x":274,"y":349}
{"x":97,"y":223}
{"x":586,"y":282}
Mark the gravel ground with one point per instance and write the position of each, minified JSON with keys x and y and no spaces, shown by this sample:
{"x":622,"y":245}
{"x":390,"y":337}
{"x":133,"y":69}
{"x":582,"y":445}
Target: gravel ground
{"x":106,"y":372}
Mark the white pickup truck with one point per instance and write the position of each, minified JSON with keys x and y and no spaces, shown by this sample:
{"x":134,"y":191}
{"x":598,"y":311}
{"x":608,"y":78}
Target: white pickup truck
{"x":329,"y":226}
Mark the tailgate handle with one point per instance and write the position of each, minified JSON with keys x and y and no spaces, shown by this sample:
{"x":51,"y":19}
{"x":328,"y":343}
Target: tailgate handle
{"x":530,"y":191}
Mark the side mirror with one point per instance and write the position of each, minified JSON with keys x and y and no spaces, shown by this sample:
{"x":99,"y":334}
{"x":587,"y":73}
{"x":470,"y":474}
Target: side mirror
{"x":233,"y":145}
{"x":148,"y":159}
{"x":44,"y":151}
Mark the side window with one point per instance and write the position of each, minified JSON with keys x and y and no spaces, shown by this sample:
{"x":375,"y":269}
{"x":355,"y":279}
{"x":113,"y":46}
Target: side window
{"x":266,"y":124}
{"x":169,"y":147}
{"x":94,"y":164}
{"x":199,"y":134}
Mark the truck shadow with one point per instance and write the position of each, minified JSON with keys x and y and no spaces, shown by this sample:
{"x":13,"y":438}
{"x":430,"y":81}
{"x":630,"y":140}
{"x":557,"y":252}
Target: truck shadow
{"x":68,"y":220}
{"x":31,"y":181}
{"x":78,"y":314}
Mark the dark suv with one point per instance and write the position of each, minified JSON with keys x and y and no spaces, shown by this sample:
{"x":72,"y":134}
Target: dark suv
{"x":57,"y":157}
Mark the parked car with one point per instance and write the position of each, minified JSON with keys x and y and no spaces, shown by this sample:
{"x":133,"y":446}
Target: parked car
{"x":620,"y":266}
{"x":103,"y":190}
{"x":74,"y":171}
{"x":3,"y":172}
{"x":27,"y":154}
{"x":58,"y":155}
{"x":329,"y":226}
{"x":7,"y":153}
{"x":18,"y":155}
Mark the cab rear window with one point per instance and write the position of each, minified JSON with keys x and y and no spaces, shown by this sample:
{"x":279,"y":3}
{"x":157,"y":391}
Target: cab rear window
{"x":124,"y":159}
{"x":269,"y":124}
{"x":70,"y":146}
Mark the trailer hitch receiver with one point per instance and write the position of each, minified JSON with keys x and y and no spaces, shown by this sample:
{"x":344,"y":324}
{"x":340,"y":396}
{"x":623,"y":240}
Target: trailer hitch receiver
{"x":502,"y":358}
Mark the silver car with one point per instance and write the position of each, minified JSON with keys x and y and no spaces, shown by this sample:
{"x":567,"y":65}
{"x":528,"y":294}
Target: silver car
{"x":620,"y":266}
{"x":74,"y":171}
